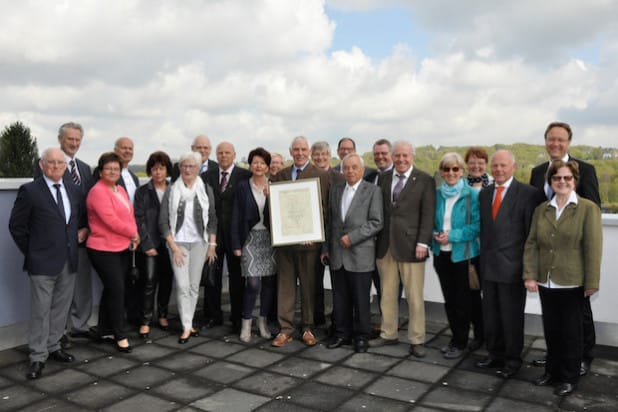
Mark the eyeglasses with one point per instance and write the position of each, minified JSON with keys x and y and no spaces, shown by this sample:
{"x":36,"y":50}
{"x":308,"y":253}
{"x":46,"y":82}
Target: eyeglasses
{"x":454,"y":169}
{"x":556,"y":178}
{"x":55,"y":162}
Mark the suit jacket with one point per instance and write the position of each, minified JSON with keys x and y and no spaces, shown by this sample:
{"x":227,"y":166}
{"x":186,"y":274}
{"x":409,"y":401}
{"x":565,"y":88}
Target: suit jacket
{"x":176,"y":169}
{"x":310,"y":172}
{"x":410,"y":220}
{"x":363,"y":221}
{"x":245,"y":215}
{"x":146,"y":208}
{"x":503,"y":240}
{"x":568,"y":249}
{"x":39,"y":228}
{"x":85,"y":175}
{"x":224,"y":201}
{"x":587,"y":187}
{"x":334,"y":177}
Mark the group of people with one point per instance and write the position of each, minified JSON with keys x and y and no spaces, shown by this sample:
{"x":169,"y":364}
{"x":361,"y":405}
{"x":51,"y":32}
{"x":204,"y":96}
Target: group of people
{"x":491,"y":238}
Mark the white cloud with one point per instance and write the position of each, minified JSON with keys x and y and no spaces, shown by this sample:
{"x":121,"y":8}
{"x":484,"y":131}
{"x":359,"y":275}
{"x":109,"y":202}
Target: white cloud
{"x":259,"y":73}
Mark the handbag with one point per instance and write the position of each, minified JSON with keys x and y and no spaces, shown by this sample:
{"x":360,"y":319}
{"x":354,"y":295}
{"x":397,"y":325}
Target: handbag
{"x":134,"y":271}
{"x":473,"y":276}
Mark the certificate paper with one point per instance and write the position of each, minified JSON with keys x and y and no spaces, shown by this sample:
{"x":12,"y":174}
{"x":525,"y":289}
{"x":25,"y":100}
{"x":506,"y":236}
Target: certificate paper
{"x":296,"y":212}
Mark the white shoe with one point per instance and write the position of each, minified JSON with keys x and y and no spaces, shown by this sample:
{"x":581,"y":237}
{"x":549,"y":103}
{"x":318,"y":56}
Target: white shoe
{"x":263,"y":327}
{"x":245,"y":330}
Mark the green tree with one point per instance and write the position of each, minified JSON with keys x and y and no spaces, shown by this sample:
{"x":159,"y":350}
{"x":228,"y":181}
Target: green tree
{"x":18,"y":151}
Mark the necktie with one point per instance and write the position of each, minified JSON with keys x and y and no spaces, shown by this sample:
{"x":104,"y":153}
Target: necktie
{"x":74,"y":174}
{"x":398,"y":188}
{"x":223,"y":181}
{"x":298,"y":171}
{"x":497,"y":201}
{"x":59,"y":201}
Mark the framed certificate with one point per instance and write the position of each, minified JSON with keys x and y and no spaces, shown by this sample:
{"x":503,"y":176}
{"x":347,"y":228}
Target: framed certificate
{"x":296,"y":212}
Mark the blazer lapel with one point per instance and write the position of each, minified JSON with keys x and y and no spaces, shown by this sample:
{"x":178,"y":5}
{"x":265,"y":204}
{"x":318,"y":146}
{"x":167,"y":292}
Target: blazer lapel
{"x":51,"y":198}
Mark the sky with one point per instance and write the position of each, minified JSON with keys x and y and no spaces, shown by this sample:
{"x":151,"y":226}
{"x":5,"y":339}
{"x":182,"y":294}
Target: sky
{"x":258,"y":73}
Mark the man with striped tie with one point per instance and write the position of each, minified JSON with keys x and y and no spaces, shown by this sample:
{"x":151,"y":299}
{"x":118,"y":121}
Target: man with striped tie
{"x":70,"y":138}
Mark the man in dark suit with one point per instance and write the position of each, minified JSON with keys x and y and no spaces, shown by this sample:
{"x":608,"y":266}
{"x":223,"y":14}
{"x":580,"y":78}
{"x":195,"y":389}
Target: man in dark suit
{"x":558,"y":137}
{"x":70,"y":136}
{"x":321,"y":157}
{"x":346,"y":146}
{"x":354,"y":219}
{"x":298,"y":261}
{"x":506,"y":209}
{"x":47,"y":223}
{"x":201,"y":144}
{"x":409,"y":201}
{"x":224,"y":179}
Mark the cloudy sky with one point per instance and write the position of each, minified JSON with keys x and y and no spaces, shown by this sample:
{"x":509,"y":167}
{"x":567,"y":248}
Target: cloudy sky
{"x":440,"y":72}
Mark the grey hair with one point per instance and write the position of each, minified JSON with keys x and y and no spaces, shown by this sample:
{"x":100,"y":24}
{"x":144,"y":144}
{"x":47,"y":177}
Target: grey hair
{"x":47,"y":151}
{"x":70,"y":125}
{"x":322,"y":145}
{"x":503,"y":150}
{"x":298,"y":138}
{"x":195,"y":156}
{"x":452,"y":158}
{"x":404,"y":143}
{"x":350,"y":155}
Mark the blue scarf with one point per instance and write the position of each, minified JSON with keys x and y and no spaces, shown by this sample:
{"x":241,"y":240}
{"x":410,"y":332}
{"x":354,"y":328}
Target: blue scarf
{"x":450,"y":191}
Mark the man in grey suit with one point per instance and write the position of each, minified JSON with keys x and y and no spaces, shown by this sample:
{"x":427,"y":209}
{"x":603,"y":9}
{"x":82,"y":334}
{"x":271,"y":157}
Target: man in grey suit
{"x":409,"y":201}
{"x":47,"y":222}
{"x":70,"y":137}
{"x":354,"y":219}
{"x":506,"y":209}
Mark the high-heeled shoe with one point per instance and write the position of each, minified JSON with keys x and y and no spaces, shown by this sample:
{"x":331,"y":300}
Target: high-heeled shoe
{"x":195,"y":333}
{"x":124,"y":349}
{"x":163,"y":327}
{"x":144,"y":335}
{"x":182,"y":340}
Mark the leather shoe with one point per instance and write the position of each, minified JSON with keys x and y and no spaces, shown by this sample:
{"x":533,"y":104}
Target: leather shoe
{"x":361,"y":346}
{"x":35,"y":370}
{"x":380,"y":341}
{"x":337,"y":342}
{"x":489,"y":363}
{"x":584,"y":368}
{"x":545,"y":380}
{"x":565,"y":389}
{"x":418,"y":351}
{"x":540,"y":362}
{"x":61,"y":356}
{"x":507,"y":372}
{"x":65,"y":342}
{"x":475,"y":344}
{"x":308,"y":338}
{"x":281,"y":340}
{"x":195,"y":333}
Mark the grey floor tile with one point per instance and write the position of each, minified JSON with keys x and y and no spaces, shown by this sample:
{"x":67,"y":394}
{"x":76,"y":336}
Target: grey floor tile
{"x":596,"y":383}
{"x":12,"y":356}
{"x":279,"y":405}
{"x":63,"y":381}
{"x":371,"y":362}
{"x":370,"y":403}
{"x":108,"y":365}
{"x":474,"y":381}
{"x":595,"y":402}
{"x":18,"y":396}
{"x":172,"y":342}
{"x":294,"y":347}
{"x":516,"y":389}
{"x":300,"y":368}
{"x":503,"y":404}
{"x":321,"y":353}
{"x":51,"y":405}
{"x":419,"y":371}
{"x":185,"y":389}
{"x":184,"y":361}
{"x":230,"y":400}
{"x":396,"y":388}
{"x":398,"y":351}
{"x":17,"y":372}
{"x":85,"y":353}
{"x":257,"y":358}
{"x":604,"y":367}
{"x":151,"y":351}
{"x":4,"y":382}
{"x":267,"y":384}
{"x":455,"y":399}
{"x":224,"y":372}
{"x":346,"y":377}
{"x":319,"y":396}
{"x":143,"y":377}
{"x":99,"y":394}
{"x":142,"y":402}
{"x":217,"y":349}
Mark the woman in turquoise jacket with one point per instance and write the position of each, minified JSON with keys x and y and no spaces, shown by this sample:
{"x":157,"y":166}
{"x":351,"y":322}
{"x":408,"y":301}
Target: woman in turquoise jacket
{"x":455,"y":242}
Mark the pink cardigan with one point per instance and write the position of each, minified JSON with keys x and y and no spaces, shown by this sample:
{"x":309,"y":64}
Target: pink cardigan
{"x":112,"y":224}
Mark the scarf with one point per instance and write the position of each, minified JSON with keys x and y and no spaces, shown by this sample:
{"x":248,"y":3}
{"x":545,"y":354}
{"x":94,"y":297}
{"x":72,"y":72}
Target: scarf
{"x":483,"y":178}
{"x":180,"y":194}
{"x":450,"y":191}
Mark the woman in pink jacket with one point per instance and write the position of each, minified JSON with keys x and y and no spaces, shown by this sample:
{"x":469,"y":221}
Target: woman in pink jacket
{"x":113,"y":233}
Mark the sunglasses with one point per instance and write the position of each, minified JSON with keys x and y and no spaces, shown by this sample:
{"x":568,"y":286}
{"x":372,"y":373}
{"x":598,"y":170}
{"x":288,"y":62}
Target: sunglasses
{"x":556,"y":178}
{"x":454,"y":169}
